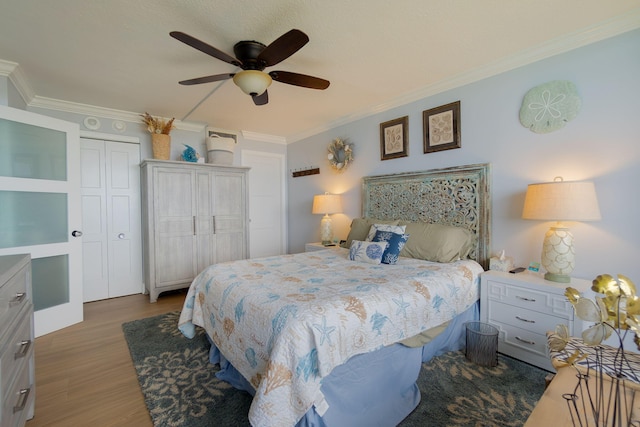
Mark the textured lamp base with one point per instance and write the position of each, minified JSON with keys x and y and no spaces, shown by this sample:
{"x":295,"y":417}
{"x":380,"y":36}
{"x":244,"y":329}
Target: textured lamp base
{"x":560,"y":278}
{"x":558,"y":255}
{"x":326,"y":232}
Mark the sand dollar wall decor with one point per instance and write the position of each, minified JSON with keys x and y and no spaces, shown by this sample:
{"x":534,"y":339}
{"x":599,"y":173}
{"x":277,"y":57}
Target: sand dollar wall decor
{"x":550,"y":106}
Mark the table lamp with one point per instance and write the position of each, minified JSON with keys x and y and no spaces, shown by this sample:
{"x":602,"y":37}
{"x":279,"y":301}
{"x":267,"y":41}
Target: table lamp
{"x":560,"y":201}
{"x":326,"y":204}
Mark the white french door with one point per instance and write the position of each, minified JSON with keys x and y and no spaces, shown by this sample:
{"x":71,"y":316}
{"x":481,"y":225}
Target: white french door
{"x":40,"y":211}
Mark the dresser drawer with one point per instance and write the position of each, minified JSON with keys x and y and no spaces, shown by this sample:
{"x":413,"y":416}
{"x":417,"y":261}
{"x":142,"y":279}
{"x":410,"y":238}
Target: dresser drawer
{"x":18,"y":399}
{"x":17,"y":349}
{"x":531,"y":320}
{"x":530,"y":299}
{"x":14,"y":296}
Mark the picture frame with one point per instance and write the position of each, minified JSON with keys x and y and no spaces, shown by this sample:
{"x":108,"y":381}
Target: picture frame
{"x":394,"y":138}
{"x":441,"y":128}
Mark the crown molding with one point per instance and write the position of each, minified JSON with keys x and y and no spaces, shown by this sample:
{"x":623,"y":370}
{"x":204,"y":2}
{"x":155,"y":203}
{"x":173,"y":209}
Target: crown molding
{"x":16,"y":76}
{"x":263,"y":137}
{"x":109,"y":113}
{"x":577,"y":39}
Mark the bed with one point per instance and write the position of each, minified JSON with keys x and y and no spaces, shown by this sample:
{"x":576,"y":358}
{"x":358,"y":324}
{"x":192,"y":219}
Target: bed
{"x":321,"y":339}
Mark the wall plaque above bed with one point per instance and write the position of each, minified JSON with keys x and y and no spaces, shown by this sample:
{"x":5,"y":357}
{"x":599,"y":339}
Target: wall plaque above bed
{"x":458,"y":196}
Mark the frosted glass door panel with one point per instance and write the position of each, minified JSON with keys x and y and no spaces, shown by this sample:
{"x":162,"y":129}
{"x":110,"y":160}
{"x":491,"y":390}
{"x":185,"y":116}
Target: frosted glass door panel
{"x":50,"y":277}
{"x":32,"y":218}
{"x":32,"y":152}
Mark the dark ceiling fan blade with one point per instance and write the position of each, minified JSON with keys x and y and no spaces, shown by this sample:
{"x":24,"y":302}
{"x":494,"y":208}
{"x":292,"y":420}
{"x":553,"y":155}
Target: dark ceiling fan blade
{"x":204,"y":47}
{"x":283,"y":47}
{"x":207,"y":79}
{"x":299,"y":80}
{"x":261,"y":99}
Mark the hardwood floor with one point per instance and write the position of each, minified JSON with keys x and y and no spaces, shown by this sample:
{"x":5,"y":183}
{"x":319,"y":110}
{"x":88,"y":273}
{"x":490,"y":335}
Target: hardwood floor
{"x":84,"y":373}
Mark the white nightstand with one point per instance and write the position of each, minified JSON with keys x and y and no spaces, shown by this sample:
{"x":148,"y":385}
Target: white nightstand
{"x":317,"y":246}
{"x":524,"y":307}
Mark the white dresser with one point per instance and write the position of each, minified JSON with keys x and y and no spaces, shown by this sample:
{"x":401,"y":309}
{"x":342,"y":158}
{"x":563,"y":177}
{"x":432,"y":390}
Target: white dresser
{"x":17,"y":375}
{"x":524,"y":307}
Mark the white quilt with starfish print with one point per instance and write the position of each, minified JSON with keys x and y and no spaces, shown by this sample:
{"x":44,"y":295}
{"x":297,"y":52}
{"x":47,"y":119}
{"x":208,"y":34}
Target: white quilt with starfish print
{"x":285,"y":322}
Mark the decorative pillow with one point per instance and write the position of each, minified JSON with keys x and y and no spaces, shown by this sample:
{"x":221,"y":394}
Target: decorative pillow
{"x":395,"y":244}
{"x":370,"y":252}
{"x":360,"y":228}
{"x":384,"y":227}
{"x":437,"y":242}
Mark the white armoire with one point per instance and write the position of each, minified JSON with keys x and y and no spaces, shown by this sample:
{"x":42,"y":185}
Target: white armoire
{"x":194,"y":215}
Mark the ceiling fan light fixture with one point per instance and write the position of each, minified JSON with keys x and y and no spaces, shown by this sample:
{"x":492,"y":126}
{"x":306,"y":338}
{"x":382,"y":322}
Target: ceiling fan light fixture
{"x":252,"y":82}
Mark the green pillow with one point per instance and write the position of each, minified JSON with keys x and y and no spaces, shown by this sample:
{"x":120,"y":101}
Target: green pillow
{"x":437,"y":242}
{"x":360,"y":229}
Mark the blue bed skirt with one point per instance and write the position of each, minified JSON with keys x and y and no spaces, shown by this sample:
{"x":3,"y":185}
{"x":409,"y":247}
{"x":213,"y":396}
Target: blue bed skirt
{"x":373,"y":389}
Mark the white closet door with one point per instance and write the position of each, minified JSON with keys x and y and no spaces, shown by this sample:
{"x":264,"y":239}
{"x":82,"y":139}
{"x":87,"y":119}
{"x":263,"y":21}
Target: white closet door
{"x":124,"y":214}
{"x":112,"y":245}
{"x":267,"y":204}
{"x":95,"y":270}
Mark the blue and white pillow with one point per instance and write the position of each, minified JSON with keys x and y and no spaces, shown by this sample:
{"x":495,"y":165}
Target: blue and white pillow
{"x":370,"y":252}
{"x":395,"y":242}
{"x":384,"y":227}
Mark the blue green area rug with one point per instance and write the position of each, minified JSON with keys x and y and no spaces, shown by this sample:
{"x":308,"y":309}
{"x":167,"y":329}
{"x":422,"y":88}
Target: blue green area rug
{"x":180,"y":387}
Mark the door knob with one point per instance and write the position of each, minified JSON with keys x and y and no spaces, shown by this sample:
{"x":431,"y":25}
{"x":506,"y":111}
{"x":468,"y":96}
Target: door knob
{"x":76,"y":233}
{"x":121,"y":236}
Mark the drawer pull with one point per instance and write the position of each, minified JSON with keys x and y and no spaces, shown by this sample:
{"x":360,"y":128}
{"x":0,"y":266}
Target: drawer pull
{"x":525,"y":320}
{"x":526,"y":299}
{"x":18,"y":298}
{"x":525,"y":341}
{"x":22,"y":401}
{"x":25,"y":345}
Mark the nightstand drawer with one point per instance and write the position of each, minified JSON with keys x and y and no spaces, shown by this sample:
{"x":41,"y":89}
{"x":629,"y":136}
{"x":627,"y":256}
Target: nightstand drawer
{"x":530,"y":320}
{"x":523,"y":339}
{"x":519,"y":296}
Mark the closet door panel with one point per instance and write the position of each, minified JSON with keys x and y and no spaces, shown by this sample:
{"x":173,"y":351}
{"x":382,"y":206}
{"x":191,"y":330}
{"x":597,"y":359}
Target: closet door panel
{"x":124,"y":213}
{"x":95,"y":267}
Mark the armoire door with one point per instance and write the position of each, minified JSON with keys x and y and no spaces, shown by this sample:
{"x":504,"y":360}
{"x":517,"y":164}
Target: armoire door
{"x":229,"y":201}
{"x":175,"y":256}
{"x":111,"y":218}
{"x":40,"y":211}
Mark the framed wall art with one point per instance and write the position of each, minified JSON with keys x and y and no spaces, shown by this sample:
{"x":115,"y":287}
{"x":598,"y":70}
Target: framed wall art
{"x":394,"y":138}
{"x":442,"y":127}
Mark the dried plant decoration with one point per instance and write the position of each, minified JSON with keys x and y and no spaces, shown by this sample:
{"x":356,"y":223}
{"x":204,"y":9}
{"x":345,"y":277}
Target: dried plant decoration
{"x":157,"y":125}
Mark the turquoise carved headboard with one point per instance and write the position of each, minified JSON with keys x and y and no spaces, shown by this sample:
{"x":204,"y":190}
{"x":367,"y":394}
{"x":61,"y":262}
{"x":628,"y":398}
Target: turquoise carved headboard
{"x":458,"y":196}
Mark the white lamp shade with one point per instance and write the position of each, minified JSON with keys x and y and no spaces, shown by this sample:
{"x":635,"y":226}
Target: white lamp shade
{"x":326,"y":204}
{"x":561,"y":201}
{"x":252,"y":82}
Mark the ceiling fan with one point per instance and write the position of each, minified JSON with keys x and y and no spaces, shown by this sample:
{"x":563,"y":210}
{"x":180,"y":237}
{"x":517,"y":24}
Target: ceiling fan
{"x":253,"y":57}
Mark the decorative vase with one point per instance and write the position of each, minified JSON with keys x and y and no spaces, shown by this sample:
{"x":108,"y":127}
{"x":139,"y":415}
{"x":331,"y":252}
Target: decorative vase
{"x":161,"y":145}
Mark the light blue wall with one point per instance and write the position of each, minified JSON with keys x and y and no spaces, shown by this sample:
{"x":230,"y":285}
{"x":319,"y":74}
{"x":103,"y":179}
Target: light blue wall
{"x":602,"y":144}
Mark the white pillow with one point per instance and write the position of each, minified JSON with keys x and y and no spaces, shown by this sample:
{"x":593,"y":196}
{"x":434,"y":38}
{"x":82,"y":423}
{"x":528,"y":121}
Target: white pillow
{"x":370,"y":252}
{"x":398,"y":229}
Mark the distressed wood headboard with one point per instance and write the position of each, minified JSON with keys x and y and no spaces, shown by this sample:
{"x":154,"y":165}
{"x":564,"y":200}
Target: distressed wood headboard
{"x":458,"y":196}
